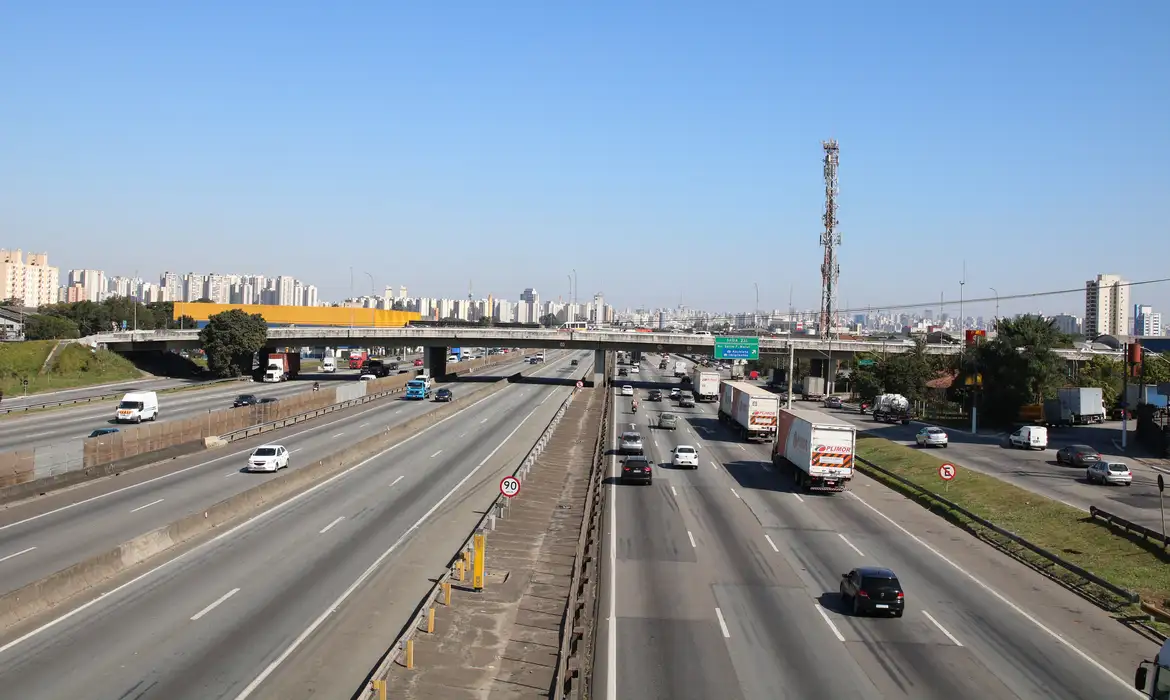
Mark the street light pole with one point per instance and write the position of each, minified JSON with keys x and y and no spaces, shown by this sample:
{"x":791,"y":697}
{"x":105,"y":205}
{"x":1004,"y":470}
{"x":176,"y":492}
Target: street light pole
{"x":962,"y":284}
{"x":993,"y":291}
{"x":373,"y":296}
{"x":575,"y":287}
{"x":756,"y":312}
{"x":134,"y":296}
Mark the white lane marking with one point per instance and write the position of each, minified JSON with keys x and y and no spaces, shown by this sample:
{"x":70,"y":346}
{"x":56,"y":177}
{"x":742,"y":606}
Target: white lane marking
{"x":152,"y":503}
{"x":673,"y":491}
{"x":462,"y":434}
{"x":733,"y":493}
{"x":398,"y":411}
{"x":851,"y":546}
{"x":942,"y":629}
{"x":546,"y":398}
{"x":297,"y":449}
{"x":714,"y":464}
{"x":722,"y":624}
{"x":485,"y":420}
{"x":692,"y":539}
{"x":825,"y":616}
{"x":1001,"y":598}
{"x":227,"y":533}
{"x":232,"y":473}
{"x":798,"y":497}
{"x":743,"y":448}
{"x":329,"y":527}
{"x":219,"y":601}
{"x":611,"y":652}
{"x":774,"y":547}
{"x":363,"y":425}
{"x":436,"y":454}
{"x":339,"y":434}
{"x":400,"y":478}
{"x":17,"y":554}
{"x":251,"y":688}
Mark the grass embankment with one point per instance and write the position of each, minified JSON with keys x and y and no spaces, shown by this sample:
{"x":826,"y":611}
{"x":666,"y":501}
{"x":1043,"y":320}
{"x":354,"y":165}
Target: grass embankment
{"x":1051,"y":525}
{"x":73,"y":367}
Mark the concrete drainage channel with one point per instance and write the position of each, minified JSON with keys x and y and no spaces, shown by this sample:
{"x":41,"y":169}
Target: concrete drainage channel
{"x":62,"y":586}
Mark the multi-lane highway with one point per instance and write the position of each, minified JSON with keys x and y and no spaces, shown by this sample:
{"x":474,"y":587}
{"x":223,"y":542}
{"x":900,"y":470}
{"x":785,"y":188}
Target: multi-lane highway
{"x":722,"y":582}
{"x":219,"y":620}
{"x":47,"y":534}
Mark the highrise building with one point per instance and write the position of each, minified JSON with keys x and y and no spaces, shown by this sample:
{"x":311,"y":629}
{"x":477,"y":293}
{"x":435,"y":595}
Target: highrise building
{"x":1067,"y":324}
{"x":31,"y":280}
{"x":310,"y":298}
{"x":1107,"y":306}
{"x":529,"y":295}
{"x":286,"y":291}
{"x":1146,"y":321}
{"x":219,"y":288}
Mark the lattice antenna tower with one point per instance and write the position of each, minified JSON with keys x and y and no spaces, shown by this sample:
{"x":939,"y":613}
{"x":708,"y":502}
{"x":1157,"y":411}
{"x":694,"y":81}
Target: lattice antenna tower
{"x":830,"y":239}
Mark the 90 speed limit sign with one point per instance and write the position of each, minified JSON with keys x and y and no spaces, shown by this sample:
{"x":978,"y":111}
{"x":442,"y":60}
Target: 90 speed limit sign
{"x":509,"y":486}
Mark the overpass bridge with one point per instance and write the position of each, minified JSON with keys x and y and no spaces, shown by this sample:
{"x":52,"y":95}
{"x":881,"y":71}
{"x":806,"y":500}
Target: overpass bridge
{"x":437,"y":340}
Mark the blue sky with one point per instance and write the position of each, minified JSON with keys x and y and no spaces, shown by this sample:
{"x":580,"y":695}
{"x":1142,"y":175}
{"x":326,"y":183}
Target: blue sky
{"x":665,"y":151}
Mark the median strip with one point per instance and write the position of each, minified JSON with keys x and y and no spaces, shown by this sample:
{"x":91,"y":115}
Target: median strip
{"x":1066,"y":537}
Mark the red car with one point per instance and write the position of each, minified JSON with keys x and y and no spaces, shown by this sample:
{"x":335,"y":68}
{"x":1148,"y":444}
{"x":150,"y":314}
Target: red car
{"x":418,"y":363}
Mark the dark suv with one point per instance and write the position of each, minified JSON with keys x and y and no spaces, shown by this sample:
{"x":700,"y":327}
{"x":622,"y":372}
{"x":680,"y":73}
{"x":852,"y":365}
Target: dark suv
{"x":637,"y":469}
{"x":871,"y":589}
{"x":245,"y":400}
{"x":655,"y":395}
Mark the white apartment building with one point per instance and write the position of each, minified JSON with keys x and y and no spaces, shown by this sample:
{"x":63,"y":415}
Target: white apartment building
{"x":1067,"y":324}
{"x":31,"y":279}
{"x":1107,"y":306}
{"x":1146,"y":321}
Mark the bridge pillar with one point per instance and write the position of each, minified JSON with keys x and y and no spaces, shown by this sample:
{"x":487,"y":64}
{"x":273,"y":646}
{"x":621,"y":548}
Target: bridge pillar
{"x":600,"y":373}
{"x":435,"y":361}
{"x":826,"y":369}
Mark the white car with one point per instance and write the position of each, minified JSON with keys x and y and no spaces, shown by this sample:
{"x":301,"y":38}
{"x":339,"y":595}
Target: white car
{"x":627,"y":390}
{"x":267,"y":458}
{"x":366,"y":378}
{"x":685,"y":456}
{"x":931,"y":437}
{"x":1106,"y":472}
{"x":634,"y":370}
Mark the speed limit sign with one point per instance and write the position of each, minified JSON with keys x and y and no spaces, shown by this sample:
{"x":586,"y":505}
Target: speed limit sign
{"x":946,"y":471}
{"x":509,"y":486}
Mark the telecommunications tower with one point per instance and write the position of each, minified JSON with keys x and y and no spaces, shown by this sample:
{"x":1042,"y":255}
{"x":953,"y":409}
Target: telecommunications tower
{"x":830,"y":239}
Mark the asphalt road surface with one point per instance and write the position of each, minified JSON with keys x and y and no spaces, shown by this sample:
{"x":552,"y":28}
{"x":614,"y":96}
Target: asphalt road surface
{"x":722,"y":583}
{"x":220,"y":619}
{"x":45,"y":535}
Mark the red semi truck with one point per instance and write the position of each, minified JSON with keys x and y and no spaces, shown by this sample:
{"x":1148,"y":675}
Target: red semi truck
{"x":357,"y":359}
{"x":279,"y":366}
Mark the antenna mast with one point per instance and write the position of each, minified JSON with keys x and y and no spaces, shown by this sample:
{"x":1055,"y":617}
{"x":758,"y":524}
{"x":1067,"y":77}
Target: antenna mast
{"x":830,"y":239}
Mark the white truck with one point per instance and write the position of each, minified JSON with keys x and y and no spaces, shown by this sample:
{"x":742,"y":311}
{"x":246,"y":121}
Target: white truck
{"x":819,"y":447}
{"x":892,"y":408}
{"x":1082,"y":404}
{"x":1153,"y":677}
{"x":812,"y":388}
{"x":328,"y":364}
{"x":705,"y":384}
{"x":276,"y":371}
{"x":737,"y":369}
{"x":680,"y":369}
{"x":749,"y":409}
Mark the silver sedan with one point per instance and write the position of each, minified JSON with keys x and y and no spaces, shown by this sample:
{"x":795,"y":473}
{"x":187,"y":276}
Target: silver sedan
{"x":1105,"y":472}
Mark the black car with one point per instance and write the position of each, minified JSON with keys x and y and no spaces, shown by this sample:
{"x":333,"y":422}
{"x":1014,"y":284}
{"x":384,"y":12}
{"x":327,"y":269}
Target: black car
{"x":444,"y":395}
{"x":636,"y":468}
{"x":871,"y":589}
{"x":269,"y":399}
{"x":623,"y":372}
{"x":655,"y":395}
{"x":575,"y":363}
{"x":245,"y":400}
{"x":103,"y":431}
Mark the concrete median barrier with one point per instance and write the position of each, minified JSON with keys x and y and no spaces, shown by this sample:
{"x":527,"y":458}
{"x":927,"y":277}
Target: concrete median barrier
{"x":55,"y":589}
{"x":29,"y":473}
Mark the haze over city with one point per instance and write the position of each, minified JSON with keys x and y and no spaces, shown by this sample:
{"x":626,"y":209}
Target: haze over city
{"x":666,"y":157}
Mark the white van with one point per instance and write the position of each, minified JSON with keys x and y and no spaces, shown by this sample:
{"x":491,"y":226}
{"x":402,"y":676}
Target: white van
{"x":426,"y":377}
{"x":452,"y":358}
{"x":328,"y":364}
{"x":1029,"y":437}
{"x":136,"y":407}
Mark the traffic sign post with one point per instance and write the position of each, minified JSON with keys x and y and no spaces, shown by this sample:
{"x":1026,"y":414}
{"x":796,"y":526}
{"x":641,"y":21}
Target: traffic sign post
{"x":580,"y":383}
{"x":1161,"y":507}
{"x":737,"y":348}
{"x":509,"y":486}
{"x":946,"y":472}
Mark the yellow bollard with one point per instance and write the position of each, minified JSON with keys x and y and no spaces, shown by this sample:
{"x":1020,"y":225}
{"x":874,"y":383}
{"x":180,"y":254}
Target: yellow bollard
{"x":477,"y":572}
{"x":431,"y":621}
{"x":447,"y":593}
{"x":410,"y":653}
{"x":380,"y":689}
{"x":459,"y":569}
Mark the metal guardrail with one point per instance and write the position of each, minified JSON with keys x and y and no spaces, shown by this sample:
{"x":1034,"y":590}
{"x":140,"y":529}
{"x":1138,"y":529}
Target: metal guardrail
{"x":1120,"y":592}
{"x":486,"y":523}
{"x":567,"y":671}
{"x":1129,"y":526}
{"x":97,"y":397}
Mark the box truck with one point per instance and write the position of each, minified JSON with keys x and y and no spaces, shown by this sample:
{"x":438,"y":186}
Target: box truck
{"x":705,"y":384}
{"x":1082,"y":404}
{"x":680,"y":369}
{"x":812,"y":388}
{"x":818,"y":447}
{"x":749,"y":409}
{"x":279,"y":366}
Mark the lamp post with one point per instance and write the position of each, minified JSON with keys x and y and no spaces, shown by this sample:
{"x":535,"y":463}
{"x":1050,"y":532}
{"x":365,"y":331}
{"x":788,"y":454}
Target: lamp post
{"x":996,"y":293}
{"x":575,"y":288}
{"x":756,"y":311}
{"x":373,"y":296}
{"x":962,"y":284}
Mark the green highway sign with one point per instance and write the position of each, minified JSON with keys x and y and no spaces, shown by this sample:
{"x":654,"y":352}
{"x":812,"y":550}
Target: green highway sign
{"x":864,"y":363}
{"x":737,"y":348}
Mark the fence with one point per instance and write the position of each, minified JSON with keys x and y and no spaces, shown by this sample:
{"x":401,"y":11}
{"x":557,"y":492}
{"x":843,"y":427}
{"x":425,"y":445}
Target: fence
{"x":86,"y":399}
{"x":1116,"y":590}
{"x":1129,"y":526}
{"x":27,"y":466}
{"x":464,"y":557}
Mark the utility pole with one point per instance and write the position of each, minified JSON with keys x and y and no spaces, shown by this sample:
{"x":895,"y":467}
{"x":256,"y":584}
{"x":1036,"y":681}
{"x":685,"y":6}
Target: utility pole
{"x":962,"y":284}
{"x":830,"y":238}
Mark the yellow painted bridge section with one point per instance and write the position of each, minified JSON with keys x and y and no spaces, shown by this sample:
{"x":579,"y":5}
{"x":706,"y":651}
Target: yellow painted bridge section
{"x":303,"y":315}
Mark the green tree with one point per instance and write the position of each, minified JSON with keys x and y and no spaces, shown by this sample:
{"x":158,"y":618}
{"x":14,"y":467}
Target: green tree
{"x":1104,"y":373}
{"x":548,"y":320}
{"x":49,"y":327}
{"x":230,"y":339}
{"x":1155,"y":368}
{"x":485,"y":320}
{"x":203,"y":300}
{"x":1018,"y":367}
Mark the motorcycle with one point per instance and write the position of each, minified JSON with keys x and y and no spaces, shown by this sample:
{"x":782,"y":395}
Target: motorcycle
{"x":316,"y":386}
